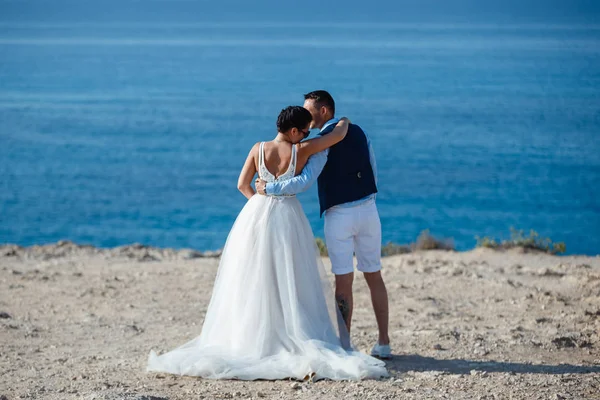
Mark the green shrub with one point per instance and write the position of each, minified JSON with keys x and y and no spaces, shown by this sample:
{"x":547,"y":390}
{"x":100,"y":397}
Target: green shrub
{"x":518,"y":239}
{"x":486,"y":242}
{"x":392,"y":249}
{"x":426,"y":241}
{"x":322,"y":247}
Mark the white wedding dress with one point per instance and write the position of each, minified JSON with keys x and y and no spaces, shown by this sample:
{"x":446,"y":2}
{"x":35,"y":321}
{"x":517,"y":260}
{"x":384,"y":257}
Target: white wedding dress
{"x":272,"y":313}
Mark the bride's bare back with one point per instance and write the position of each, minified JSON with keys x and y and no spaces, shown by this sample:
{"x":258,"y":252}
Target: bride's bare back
{"x":278,"y":154}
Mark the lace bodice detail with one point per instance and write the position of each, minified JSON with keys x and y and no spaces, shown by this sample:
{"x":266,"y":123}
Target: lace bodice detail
{"x":267,"y":176}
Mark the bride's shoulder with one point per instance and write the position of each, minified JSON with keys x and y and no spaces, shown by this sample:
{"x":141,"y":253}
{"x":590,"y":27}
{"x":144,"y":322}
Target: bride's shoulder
{"x":255,"y":147}
{"x":253,"y":153}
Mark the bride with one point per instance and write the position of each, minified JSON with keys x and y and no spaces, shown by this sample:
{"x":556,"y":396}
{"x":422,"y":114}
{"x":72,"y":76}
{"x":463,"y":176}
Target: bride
{"x":272,"y":314}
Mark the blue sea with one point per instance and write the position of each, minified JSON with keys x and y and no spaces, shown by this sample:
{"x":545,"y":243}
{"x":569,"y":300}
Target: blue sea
{"x":119,"y":132}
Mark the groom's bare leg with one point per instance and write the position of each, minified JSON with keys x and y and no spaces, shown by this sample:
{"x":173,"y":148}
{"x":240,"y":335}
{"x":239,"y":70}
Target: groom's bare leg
{"x":379,"y":298}
{"x":343,"y":296}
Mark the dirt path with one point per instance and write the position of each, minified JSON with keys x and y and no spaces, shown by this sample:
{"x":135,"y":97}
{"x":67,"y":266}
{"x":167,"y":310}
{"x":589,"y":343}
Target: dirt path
{"x":78,"y":322}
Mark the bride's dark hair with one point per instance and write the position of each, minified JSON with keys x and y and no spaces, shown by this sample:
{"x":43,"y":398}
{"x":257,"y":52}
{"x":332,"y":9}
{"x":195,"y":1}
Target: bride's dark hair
{"x":293,"y":117}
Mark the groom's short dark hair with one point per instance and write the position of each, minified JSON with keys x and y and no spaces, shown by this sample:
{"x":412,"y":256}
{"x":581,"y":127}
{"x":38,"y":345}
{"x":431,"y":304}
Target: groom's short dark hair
{"x":321,"y":98}
{"x":293,"y":117}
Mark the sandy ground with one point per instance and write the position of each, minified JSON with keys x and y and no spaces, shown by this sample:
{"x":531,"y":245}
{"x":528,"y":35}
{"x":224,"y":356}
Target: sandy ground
{"x":78,"y":322}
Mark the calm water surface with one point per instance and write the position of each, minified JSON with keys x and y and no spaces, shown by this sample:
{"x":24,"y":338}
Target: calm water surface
{"x":113,"y":133}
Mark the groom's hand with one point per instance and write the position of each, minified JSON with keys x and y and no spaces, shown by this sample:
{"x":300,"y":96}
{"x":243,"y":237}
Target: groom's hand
{"x":261,"y":186}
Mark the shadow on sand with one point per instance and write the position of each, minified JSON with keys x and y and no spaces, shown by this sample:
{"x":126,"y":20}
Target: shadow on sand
{"x":413,"y":362}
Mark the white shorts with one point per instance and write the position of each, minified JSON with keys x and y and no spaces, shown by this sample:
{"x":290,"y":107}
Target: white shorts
{"x":353,"y":230}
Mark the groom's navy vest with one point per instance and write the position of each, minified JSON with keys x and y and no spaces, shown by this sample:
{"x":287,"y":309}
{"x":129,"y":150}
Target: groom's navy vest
{"x":348,"y":175}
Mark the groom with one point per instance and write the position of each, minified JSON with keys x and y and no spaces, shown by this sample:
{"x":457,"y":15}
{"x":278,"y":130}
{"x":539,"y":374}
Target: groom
{"x":347,"y":178}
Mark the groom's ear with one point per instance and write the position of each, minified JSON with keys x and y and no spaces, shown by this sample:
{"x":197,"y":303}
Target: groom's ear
{"x":324,"y":111}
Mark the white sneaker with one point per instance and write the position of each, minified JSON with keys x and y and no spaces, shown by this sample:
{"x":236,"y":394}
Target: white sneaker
{"x":382,"y":351}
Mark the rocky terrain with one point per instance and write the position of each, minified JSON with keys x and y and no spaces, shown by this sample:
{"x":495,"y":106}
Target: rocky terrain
{"x":77,"y":322}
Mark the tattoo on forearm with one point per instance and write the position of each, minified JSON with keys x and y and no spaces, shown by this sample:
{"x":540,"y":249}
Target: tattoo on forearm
{"x":344,"y":307}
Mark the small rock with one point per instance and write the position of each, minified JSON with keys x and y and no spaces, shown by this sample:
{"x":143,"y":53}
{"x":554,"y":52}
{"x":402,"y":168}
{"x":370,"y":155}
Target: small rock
{"x":592,"y":313}
{"x":438,"y":347}
{"x":191,"y":254}
{"x":136,"y":328}
{"x":212,"y":254}
{"x":147,"y":257}
{"x":481,"y":352}
{"x":513,"y":283}
{"x":10,"y":251}
{"x":551,"y":273}
{"x":4,"y":315}
{"x":260,"y":394}
{"x":296,"y":386}
{"x":398,"y":382}
{"x":430,"y":374}
{"x":564,"y":342}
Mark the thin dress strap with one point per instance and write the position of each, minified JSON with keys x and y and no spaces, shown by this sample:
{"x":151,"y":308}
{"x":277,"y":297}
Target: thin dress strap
{"x":261,"y":160}
{"x":293,"y":161}
{"x":261,"y":156}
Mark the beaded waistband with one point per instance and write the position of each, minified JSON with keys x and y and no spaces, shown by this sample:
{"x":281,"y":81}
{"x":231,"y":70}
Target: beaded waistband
{"x":281,"y":195}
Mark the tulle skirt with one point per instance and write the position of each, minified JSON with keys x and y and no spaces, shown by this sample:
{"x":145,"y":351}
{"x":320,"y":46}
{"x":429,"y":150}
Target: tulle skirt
{"x":272,"y":313}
